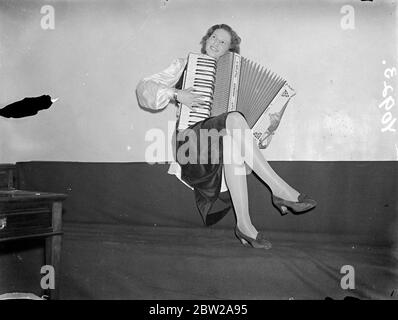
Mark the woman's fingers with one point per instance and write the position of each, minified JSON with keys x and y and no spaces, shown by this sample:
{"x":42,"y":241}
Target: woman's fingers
{"x":194,"y":99}
{"x":193,"y":105}
{"x":198,"y":100}
{"x":190,"y":90}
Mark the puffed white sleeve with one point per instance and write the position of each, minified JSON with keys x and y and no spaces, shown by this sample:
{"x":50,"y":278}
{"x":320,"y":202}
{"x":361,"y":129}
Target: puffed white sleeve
{"x":156,"y":91}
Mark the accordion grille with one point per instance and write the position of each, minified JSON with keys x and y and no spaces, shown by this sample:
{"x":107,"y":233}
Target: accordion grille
{"x":256,"y":90}
{"x":222,"y":85}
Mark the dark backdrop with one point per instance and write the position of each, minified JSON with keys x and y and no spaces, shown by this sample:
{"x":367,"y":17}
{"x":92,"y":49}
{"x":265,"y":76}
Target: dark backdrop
{"x":355,"y":199}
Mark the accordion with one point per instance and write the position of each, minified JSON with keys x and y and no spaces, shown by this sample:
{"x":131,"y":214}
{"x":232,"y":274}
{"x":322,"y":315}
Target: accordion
{"x":234,"y":83}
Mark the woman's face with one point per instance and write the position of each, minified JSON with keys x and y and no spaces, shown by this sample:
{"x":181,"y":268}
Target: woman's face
{"x":218,"y":43}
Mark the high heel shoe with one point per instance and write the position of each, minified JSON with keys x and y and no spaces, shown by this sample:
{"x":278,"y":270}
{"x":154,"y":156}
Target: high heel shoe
{"x":259,"y":243}
{"x":304,"y":204}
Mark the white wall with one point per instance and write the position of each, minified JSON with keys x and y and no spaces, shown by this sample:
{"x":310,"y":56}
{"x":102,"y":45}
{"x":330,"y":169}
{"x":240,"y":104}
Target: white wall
{"x":99,"y":50}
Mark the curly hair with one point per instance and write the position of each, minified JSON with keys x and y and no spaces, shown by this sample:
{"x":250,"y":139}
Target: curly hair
{"x":235,"y":39}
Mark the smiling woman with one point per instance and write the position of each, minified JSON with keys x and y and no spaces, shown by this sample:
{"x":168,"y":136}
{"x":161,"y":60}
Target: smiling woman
{"x":204,"y":175}
{"x":218,"y":43}
{"x":229,"y":40}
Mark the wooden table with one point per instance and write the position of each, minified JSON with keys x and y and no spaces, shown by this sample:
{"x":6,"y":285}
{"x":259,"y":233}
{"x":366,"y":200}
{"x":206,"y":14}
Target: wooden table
{"x":28,"y":214}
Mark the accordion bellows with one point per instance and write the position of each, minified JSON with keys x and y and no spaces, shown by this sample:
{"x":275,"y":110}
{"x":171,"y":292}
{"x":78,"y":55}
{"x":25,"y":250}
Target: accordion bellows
{"x":234,"y":83}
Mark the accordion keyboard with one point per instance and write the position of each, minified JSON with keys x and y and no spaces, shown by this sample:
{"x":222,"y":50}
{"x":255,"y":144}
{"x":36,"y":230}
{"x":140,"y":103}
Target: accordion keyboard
{"x":200,"y":75}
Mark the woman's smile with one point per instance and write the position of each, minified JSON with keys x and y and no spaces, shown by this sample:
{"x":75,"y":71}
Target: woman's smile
{"x":213,"y":48}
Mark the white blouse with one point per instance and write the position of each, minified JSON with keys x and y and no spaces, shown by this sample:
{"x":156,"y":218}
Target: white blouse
{"x":156,"y":92}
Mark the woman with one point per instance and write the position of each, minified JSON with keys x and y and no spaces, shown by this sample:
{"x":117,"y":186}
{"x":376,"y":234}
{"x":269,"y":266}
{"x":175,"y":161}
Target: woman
{"x":156,"y":91}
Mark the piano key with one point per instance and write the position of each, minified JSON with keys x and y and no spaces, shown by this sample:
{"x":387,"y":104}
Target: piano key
{"x":206,"y":71}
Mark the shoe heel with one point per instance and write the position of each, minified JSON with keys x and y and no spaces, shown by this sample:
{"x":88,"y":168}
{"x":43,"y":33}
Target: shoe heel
{"x":283,"y":210}
{"x":244,"y":242}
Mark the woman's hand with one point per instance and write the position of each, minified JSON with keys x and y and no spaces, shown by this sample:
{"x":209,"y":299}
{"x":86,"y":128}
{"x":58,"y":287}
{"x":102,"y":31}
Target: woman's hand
{"x":189,"y":98}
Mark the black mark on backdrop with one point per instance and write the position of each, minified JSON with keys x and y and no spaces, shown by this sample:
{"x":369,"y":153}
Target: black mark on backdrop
{"x":27,"y":107}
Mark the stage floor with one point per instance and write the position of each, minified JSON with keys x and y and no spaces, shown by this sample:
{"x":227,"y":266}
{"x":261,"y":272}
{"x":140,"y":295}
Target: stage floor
{"x":116,"y":262}
{"x":141,"y":262}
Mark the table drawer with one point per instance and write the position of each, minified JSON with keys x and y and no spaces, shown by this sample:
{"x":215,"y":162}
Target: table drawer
{"x":20,"y":223}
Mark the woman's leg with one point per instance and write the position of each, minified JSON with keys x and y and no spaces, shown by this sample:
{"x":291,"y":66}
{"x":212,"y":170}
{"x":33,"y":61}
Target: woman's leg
{"x":239,"y":131}
{"x":237,"y":186}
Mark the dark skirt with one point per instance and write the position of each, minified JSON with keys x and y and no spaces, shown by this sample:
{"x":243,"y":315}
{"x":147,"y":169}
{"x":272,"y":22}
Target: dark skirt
{"x":201,"y":166}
